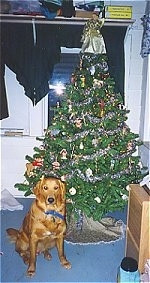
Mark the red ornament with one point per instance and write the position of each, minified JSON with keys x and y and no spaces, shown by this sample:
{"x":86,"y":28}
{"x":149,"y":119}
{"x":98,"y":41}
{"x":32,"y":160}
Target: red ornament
{"x":101,"y":104}
{"x":37,"y":162}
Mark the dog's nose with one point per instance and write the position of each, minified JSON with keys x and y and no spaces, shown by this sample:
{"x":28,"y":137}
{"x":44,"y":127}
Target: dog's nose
{"x":50,"y":200}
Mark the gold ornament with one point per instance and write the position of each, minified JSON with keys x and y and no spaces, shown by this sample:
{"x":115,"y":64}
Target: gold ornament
{"x":82,"y":79}
{"x":101,"y":104}
{"x":101,"y":113}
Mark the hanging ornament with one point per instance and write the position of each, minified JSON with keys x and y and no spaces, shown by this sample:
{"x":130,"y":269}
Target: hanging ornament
{"x":56,"y":165}
{"x":37,"y":162}
{"x":41,"y":147}
{"x":63,"y":178}
{"x":92,"y":70}
{"x":72,"y":79}
{"x":105,"y":76}
{"x":129,"y":146}
{"x":140,"y":164}
{"x":69,"y":108}
{"x":97,"y":83}
{"x":96,"y":165}
{"x":71,"y":116}
{"x":63,"y":153}
{"x":105,"y":66}
{"x":112,"y":164}
{"x":120,"y":106}
{"x":88,"y":173}
{"x":124,"y":197}
{"x":83,"y":117}
{"x":81,"y":64}
{"x":82,"y":80}
{"x":130,"y":165}
{"x":124,"y":130}
{"x":72,"y":151}
{"x":63,"y":133}
{"x":95,"y":142}
{"x":57,"y":104}
{"x":81,"y":145}
{"x":78,"y":123}
{"x":72,"y":191}
{"x":98,"y":200}
{"x":102,"y":105}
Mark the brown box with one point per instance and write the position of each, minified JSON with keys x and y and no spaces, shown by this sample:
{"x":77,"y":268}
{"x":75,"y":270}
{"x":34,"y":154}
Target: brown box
{"x":83,"y":14}
{"x":138,"y":226}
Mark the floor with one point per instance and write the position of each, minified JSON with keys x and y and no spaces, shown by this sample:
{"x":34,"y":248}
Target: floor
{"x":90,"y":263}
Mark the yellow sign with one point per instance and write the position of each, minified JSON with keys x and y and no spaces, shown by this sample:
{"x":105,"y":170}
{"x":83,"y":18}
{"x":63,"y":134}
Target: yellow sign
{"x":118,"y":12}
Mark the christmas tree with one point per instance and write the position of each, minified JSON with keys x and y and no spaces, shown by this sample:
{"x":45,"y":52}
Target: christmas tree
{"x":89,"y":145}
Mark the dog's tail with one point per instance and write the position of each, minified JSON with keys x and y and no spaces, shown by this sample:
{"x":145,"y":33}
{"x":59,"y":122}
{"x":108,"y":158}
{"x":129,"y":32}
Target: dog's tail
{"x":12,"y":234}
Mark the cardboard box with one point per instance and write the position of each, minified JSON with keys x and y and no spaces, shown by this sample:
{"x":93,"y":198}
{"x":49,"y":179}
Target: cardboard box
{"x":83,"y":14}
{"x":118,"y":12}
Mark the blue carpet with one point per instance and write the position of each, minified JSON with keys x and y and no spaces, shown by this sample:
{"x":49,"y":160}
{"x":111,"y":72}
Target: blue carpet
{"x":90,"y":263}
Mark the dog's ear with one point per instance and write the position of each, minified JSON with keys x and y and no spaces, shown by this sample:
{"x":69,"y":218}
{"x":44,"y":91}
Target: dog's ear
{"x":37,"y":188}
{"x":63,"y":191}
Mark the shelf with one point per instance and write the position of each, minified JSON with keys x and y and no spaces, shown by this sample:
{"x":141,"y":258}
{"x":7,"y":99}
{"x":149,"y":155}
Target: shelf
{"x":6,"y":18}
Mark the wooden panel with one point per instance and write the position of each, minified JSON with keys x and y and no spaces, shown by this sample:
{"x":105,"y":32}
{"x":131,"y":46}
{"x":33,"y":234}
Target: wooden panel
{"x":144,"y":246}
{"x":131,"y":249}
{"x":135,"y":215}
{"x":138,"y":226}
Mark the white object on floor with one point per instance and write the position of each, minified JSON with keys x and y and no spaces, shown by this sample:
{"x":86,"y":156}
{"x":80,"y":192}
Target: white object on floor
{"x":145,"y":277}
{"x":9,"y":202}
{"x":145,"y":181}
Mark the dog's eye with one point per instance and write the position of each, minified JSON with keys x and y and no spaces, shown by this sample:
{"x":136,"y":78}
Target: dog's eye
{"x":56,"y":187}
{"x":45,"y":188}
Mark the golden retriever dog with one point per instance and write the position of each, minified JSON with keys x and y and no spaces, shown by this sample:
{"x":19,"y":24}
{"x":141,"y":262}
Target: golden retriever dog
{"x":44,"y":226}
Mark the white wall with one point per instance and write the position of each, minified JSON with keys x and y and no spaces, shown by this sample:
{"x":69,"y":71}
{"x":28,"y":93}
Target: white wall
{"x":13,"y":163}
{"x":34,"y":119}
{"x":134,"y":66}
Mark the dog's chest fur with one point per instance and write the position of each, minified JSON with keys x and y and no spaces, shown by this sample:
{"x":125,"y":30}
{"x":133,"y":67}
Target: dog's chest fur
{"x":48,"y":225}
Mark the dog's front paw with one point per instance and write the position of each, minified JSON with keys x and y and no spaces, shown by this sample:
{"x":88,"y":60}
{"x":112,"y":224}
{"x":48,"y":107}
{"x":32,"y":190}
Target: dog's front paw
{"x":47,"y":255}
{"x":30,"y":272}
{"x":65,"y":263}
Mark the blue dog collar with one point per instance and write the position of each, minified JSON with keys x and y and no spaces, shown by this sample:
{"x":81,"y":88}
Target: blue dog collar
{"x":55,"y":213}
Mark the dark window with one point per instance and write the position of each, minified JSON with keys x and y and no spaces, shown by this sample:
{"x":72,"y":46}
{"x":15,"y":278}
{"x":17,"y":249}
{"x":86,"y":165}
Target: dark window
{"x":61,"y":75}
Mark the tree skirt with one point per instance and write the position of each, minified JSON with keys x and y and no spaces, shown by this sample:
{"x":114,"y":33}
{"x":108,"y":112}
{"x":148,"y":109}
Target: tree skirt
{"x":106,"y":230}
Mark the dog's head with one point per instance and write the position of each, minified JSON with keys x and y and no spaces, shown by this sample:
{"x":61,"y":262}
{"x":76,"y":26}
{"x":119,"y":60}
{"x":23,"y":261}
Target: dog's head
{"x":50,"y":191}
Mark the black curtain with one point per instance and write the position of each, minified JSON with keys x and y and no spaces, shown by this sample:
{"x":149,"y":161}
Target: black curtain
{"x":31,"y":51}
{"x":3,"y":97}
{"x":114,"y":40}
